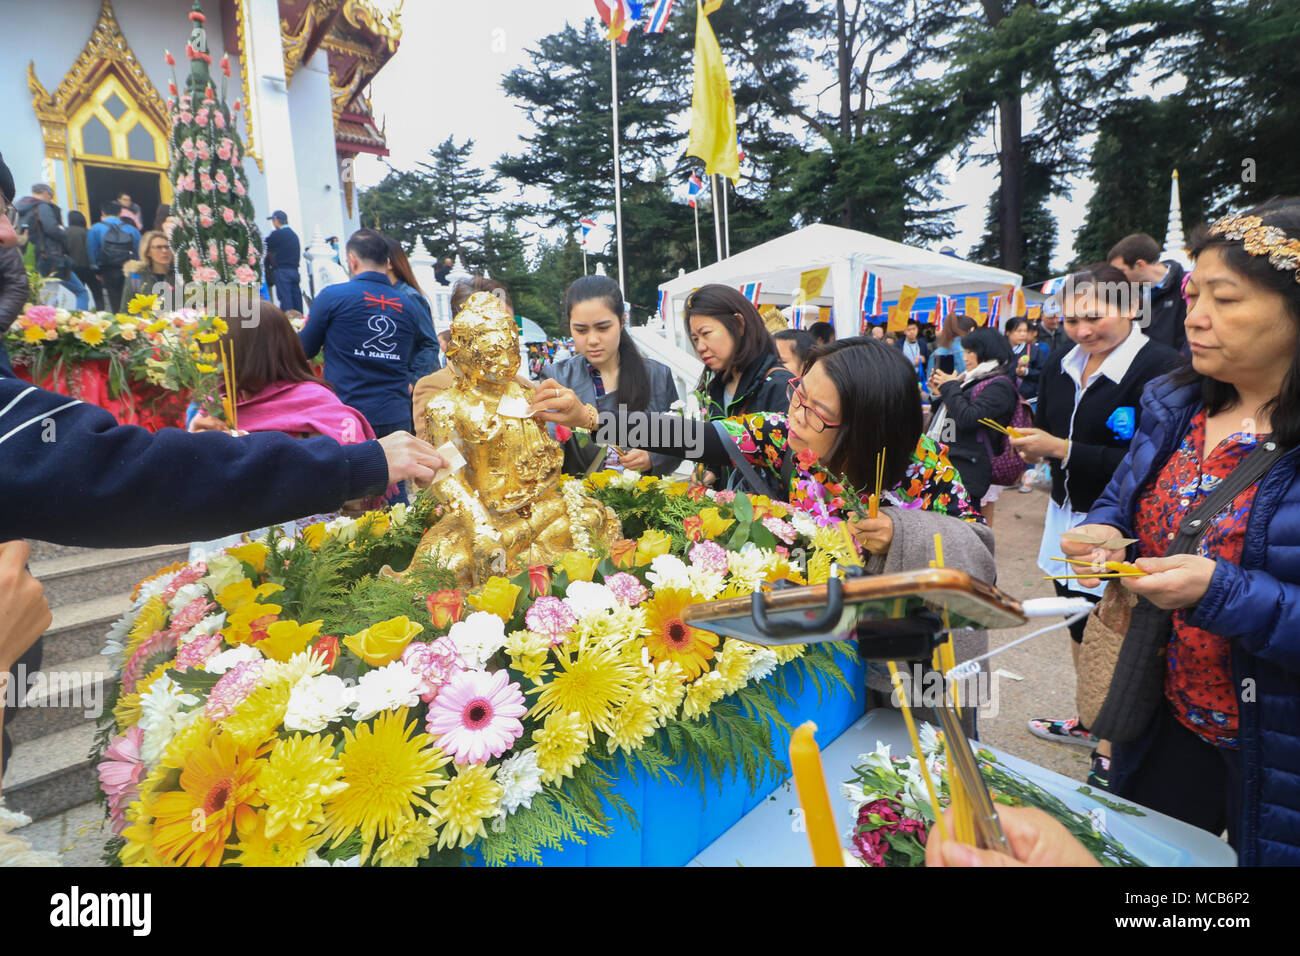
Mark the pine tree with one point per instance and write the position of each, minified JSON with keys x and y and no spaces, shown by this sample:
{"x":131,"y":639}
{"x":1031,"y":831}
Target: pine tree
{"x":216,"y":240}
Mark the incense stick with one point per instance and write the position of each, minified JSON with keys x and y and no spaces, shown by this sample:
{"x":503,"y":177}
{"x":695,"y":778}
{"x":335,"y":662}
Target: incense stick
{"x":228,"y":404}
{"x":1103,"y":576}
{"x":897,"y":680}
{"x":873,"y":503}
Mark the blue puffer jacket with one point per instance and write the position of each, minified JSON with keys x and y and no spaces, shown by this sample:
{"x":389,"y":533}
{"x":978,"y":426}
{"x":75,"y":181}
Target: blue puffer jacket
{"x":1256,"y":603}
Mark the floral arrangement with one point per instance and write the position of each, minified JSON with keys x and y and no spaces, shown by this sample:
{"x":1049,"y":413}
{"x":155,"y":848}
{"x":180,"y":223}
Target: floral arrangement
{"x":216,"y":240}
{"x":47,"y":341}
{"x":893,"y":814}
{"x":286,"y":704}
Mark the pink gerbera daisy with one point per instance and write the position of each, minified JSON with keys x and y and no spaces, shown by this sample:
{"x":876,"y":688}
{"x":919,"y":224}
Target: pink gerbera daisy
{"x":477,"y":716}
{"x":120,"y":773}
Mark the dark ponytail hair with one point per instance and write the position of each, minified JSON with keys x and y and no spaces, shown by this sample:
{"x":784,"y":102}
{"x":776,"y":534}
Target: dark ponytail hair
{"x":633,"y":376}
{"x":740,"y":318}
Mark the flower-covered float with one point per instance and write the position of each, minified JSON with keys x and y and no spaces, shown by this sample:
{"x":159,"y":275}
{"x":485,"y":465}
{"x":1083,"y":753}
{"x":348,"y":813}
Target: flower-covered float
{"x":286,"y":704}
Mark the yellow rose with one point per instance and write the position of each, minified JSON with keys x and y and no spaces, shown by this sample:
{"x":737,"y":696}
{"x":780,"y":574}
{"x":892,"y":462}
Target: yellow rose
{"x":253,"y":553}
{"x":600,"y":479}
{"x":383,"y":643}
{"x":33,"y":333}
{"x":314,"y":534}
{"x":677,"y":488}
{"x":579,"y":566}
{"x":497,"y":597}
{"x":652,"y":544}
{"x":714,"y":523}
{"x":373,"y":522}
{"x":242,"y":592}
{"x":207,"y":338}
{"x":287,"y":638}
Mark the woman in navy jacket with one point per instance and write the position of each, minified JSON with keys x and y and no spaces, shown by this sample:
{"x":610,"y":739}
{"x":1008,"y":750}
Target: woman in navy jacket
{"x":1224,"y":747}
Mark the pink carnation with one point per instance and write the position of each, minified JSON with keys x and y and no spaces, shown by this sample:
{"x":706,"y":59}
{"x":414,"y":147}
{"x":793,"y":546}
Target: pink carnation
{"x":212,"y":250}
{"x":239,"y":188}
{"x":245,"y":275}
{"x":188,"y":616}
{"x":627,"y":589}
{"x":219,"y":120}
{"x":205,"y":183}
{"x":187,"y":116}
{"x":434,"y":664}
{"x":201,"y":117}
{"x":43,"y":315}
{"x":187,"y":145}
{"x":476,"y":717}
{"x":206,"y":274}
{"x":206,"y":222}
{"x":726,"y":497}
{"x":198,"y":652}
{"x":193,"y":256}
{"x":228,"y":215}
{"x":552,"y":617}
{"x":120,"y":773}
{"x":782,"y":529}
{"x":202,"y":151}
{"x":229,"y":692}
{"x":709,"y":556}
{"x":223,"y":152}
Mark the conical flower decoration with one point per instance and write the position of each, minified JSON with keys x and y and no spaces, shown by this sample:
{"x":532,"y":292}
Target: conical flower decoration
{"x":216,"y":240}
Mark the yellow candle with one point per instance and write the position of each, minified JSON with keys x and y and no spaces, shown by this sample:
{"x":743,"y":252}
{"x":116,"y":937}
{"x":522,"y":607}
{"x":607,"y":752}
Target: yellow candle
{"x":810,"y":782}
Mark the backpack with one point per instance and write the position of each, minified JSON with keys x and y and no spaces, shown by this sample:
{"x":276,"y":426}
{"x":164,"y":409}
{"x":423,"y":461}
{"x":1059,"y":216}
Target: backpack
{"x":117,"y":249}
{"x":1007,"y":465}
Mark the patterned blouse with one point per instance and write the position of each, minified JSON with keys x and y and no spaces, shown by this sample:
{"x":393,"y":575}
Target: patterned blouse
{"x":1198,"y":671}
{"x":931,"y":483}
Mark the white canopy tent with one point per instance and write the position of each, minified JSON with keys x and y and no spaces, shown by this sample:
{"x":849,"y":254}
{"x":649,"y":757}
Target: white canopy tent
{"x":850,"y":254}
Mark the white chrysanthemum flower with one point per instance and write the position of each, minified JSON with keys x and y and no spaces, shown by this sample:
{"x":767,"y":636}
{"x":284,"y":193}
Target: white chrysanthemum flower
{"x":398,"y":514}
{"x":386,"y":688}
{"x":301,"y":665}
{"x":521,"y":779}
{"x":669,"y":571}
{"x":343,"y":528}
{"x":477,"y":638}
{"x":803,"y":524}
{"x":705,"y":584}
{"x":584,"y":597}
{"x":316,"y":702}
{"x":220,"y":663}
{"x":764,"y":663}
{"x":746,"y":565}
{"x":163,"y":714}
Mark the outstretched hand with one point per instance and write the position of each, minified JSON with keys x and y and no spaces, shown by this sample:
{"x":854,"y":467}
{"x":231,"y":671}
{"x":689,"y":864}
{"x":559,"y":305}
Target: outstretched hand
{"x":409,"y":457}
{"x":1035,"y":839}
{"x":552,"y":402}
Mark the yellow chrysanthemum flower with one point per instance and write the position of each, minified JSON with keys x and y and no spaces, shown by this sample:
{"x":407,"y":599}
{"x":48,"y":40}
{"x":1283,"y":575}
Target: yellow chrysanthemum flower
{"x":594,"y":679}
{"x":220,"y":325}
{"x":409,"y":842}
{"x":529,"y":654}
{"x":205,"y":369}
{"x":257,"y":846}
{"x":632,"y":724}
{"x":299,"y":776}
{"x":91,"y":334}
{"x":677,"y":488}
{"x":734,"y":665}
{"x":702,"y":695}
{"x":207,"y":338}
{"x":197,"y":733}
{"x":259,"y":715}
{"x":33,"y":334}
{"x":789,"y":652}
{"x":462,"y":805}
{"x":142,"y":303}
{"x":561,"y":745}
{"x":667,"y":687}
{"x":151,"y":619}
{"x":389,"y":772}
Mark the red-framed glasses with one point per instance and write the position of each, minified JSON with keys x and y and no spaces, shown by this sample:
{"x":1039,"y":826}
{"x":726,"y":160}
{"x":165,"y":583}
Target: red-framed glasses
{"x":795,"y":394}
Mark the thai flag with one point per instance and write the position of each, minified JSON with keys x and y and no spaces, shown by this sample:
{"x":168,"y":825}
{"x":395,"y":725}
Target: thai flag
{"x":586,"y":225}
{"x":872,"y":297}
{"x":663,"y":303}
{"x":618,"y":16}
{"x":750,"y":291}
{"x":694,"y":187}
{"x":796,"y":317}
{"x":658,"y":19}
{"x":995,"y":311}
{"x":942,"y":309}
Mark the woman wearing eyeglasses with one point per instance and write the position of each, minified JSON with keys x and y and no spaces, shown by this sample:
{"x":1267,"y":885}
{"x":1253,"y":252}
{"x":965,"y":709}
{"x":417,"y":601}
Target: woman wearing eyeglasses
{"x":856,"y":400}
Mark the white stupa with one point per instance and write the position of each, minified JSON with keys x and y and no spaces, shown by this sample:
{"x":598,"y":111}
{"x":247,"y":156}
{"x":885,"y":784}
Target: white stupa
{"x":1175,"y":239}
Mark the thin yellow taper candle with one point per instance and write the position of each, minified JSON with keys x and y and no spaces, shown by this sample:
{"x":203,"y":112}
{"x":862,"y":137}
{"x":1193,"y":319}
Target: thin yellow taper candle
{"x":810,"y":782}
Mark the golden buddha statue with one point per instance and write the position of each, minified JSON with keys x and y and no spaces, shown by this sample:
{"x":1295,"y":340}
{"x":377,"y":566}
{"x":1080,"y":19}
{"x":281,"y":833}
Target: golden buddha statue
{"x":506,"y":507}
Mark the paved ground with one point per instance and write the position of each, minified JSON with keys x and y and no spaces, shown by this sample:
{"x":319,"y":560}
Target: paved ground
{"x":1045,"y":687}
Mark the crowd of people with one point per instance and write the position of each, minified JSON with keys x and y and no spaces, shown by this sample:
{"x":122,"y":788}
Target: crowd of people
{"x":1138,"y":409}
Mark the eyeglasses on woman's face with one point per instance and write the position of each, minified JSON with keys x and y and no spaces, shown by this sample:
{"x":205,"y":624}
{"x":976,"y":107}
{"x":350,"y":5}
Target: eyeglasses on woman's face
{"x":799,"y":398}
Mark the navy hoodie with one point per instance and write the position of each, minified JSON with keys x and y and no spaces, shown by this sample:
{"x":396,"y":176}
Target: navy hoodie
{"x":70,"y":474}
{"x":372,"y":337}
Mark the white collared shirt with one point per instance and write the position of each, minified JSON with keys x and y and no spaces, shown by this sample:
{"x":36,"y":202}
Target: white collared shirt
{"x":1061,"y":518}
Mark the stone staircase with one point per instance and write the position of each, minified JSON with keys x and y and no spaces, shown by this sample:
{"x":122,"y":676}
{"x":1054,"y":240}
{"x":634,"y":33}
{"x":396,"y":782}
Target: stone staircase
{"x":50,"y":773}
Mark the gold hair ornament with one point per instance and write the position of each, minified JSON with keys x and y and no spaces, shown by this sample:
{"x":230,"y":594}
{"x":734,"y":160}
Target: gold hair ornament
{"x":1260,"y":240}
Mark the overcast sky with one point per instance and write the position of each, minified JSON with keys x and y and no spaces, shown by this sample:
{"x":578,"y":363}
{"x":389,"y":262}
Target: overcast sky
{"x":445,"y":79}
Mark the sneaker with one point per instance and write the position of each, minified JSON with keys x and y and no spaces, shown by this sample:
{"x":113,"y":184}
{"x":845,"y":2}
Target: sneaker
{"x":1099,"y":777}
{"x":1062,"y":732}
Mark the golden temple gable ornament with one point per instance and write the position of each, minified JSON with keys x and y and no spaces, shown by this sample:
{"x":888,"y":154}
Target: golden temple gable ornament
{"x":509,"y":507}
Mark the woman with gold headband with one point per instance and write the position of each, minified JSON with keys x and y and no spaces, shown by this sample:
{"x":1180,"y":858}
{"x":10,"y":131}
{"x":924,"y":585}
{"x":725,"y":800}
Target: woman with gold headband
{"x":1222,"y":747}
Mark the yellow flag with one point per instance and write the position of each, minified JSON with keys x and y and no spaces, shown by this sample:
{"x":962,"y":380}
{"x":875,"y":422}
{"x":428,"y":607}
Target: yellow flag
{"x":811,"y":283}
{"x":973,"y":310}
{"x":907,"y":299}
{"x":1018,"y":306}
{"x":897,"y":321}
{"x":713,"y":111}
